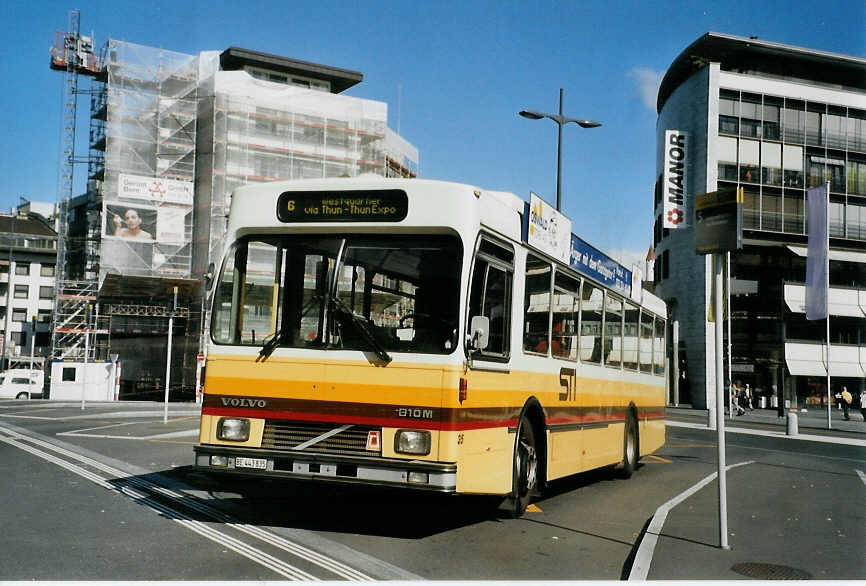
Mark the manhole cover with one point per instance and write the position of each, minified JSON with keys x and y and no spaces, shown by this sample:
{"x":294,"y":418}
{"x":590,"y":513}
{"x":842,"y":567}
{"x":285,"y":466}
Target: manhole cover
{"x":770,"y":571}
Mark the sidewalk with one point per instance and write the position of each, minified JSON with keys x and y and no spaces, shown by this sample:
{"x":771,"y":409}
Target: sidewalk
{"x":785,"y":521}
{"x":814,"y":420}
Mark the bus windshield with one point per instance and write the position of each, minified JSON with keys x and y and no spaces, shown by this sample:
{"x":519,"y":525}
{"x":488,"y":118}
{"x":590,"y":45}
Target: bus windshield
{"x":373,"y":293}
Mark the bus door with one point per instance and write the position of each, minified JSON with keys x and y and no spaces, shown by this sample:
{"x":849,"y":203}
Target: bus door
{"x":485,"y":410}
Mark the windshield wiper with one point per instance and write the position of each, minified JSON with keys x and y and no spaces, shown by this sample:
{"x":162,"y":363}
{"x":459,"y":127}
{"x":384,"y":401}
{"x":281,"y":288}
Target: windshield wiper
{"x":363,"y":326}
{"x":270,"y":345}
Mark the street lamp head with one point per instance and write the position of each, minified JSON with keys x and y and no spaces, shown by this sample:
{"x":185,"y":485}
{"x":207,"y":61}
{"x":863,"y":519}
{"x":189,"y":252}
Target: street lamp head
{"x":588,"y":123}
{"x":532,"y":115}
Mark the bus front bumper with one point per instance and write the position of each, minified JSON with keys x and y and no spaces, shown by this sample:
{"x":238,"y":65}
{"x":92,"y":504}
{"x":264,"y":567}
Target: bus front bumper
{"x":299,"y":465}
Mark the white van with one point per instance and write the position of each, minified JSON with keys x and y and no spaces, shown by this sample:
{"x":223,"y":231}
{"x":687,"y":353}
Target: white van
{"x":21,"y":383}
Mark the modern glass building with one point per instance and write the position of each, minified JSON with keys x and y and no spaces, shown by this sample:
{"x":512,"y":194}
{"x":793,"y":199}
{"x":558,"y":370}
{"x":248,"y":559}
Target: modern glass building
{"x":775,"y":120}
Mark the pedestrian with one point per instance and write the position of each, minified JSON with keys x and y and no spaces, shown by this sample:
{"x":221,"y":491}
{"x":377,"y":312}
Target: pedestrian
{"x":863,"y":404}
{"x":846,"y":403}
{"x":748,"y":394}
{"x":739,"y":400}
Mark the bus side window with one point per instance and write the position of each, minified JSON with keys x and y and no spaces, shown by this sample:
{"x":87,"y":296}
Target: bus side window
{"x":590,"y":322}
{"x":536,"y":306}
{"x":490,"y":295}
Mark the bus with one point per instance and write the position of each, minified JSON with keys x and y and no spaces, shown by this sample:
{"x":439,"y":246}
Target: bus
{"x":416,"y":334}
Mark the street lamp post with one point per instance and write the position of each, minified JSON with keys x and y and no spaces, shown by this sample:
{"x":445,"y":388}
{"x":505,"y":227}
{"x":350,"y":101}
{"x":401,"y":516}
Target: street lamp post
{"x":560,"y":122}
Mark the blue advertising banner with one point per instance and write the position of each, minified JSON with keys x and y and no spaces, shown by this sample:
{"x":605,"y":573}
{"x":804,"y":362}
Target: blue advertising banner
{"x":583,"y":257}
{"x":593,"y":263}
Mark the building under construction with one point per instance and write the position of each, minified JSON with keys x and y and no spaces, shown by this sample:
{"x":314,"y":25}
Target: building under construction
{"x":171,"y":135}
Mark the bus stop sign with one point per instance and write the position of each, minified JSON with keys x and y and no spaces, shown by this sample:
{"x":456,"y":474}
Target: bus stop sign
{"x":719,"y":221}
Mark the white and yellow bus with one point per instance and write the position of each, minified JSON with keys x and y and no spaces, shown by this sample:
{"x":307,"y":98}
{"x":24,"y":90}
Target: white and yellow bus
{"x":404,"y":333}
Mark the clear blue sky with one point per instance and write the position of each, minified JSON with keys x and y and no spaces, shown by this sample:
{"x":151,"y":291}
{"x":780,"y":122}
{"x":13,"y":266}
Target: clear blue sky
{"x":459,"y":71}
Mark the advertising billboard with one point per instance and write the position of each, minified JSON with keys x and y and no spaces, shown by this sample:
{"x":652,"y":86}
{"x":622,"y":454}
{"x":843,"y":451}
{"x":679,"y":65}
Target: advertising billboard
{"x":147,"y":227}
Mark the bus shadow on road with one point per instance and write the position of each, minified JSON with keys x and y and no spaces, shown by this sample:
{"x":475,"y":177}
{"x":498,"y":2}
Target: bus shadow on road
{"x":317,"y":507}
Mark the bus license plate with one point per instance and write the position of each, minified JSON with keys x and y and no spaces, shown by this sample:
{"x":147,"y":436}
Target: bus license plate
{"x":257,"y":463}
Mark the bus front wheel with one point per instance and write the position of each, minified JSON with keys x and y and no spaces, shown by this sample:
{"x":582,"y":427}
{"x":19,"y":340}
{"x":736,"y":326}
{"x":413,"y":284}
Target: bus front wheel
{"x":629,"y":448}
{"x":524,"y":469}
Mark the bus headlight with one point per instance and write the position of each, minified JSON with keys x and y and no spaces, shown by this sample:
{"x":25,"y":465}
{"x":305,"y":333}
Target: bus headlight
{"x":411,"y":441}
{"x":233,"y":430}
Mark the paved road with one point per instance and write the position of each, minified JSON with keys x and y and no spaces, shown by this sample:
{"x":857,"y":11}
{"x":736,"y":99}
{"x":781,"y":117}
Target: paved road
{"x":108,"y":494}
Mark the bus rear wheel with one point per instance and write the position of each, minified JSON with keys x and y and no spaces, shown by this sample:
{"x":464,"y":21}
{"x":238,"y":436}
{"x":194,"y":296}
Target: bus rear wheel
{"x":629,"y":448}
{"x":524,"y":470}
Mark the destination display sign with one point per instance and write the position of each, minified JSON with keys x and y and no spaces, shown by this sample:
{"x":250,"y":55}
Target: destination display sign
{"x":380,"y":205}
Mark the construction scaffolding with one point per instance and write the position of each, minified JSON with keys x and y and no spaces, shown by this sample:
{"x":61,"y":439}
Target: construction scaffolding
{"x":255,"y":131}
{"x":171,"y":136}
{"x":145,"y":126}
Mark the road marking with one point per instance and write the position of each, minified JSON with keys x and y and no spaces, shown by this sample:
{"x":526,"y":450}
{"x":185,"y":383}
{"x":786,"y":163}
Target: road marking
{"x":658,"y":458}
{"x":861,"y":474}
{"x":155,"y":437}
{"x":122,"y":482}
{"x":847,"y":441}
{"x":533,"y":509}
{"x":644,"y":557}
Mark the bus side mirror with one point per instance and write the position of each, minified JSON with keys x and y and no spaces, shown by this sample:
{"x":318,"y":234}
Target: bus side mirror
{"x":480,"y":332}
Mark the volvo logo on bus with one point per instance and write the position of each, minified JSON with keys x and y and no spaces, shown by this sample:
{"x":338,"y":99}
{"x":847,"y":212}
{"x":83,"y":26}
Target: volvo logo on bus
{"x":243,"y":402}
{"x":414,"y":412}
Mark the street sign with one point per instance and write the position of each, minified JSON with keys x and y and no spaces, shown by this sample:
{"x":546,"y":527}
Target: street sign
{"x":719,"y":221}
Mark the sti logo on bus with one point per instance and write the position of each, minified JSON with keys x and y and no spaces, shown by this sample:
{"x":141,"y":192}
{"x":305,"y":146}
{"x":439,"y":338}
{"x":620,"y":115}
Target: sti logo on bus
{"x":243,"y":402}
{"x":674,"y":189}
{"x":368,"y":205}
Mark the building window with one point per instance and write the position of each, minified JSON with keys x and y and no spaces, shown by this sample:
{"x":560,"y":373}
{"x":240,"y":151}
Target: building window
{"x":749,"y":156}
{"x":750,"y":117}
{"x":22,"y":291}
{"x":771,"y":163}
{"x":751,"y":210}
{"x":794,"y":212}
{"x":772,"y":115}
{"x":46,"y":292}
{"x":814,"y":124}
{"x":22,"y":269}
{"x":794,"y":121}
{"x":19,"y":338}
{"x":836,"y":211}
{"x":47,"y":271}
{"x":729,"y":113}
{"x":856,"y":177}
{"x":855,"y":220}
{"x":727,"y":158}
{"x":792,"y":162}
{"x":44,"y":316}
{"x":834,"y":128}
{"x":68,"y":374}
{"x":856,"y":130}
{"x":19,"y":315}
{"x":771,"y":210}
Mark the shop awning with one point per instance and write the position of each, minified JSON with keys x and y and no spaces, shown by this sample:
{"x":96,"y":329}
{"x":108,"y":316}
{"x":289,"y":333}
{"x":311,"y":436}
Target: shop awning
{"x":845,"y":302}
{"x":805,"y":359}
{"x":843,"y":255}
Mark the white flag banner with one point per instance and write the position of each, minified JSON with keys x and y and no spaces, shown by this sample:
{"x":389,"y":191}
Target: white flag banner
{"x":817,"y":269}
